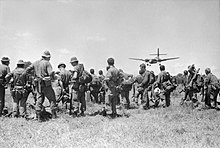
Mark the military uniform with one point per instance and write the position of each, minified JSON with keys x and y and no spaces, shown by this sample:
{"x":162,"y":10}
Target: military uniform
{"x":78,"y":88}
{"x":65,"y":77}
{"x":4,"y":70}
{"x":113,"y":80}
{"x":126,"y":87}
{"x":43,"y":71}
{"x":145,"y":84}
{"x":94,"y":88}
{"x":19,"y":92}
{"x":163,"y":77}
{"x":102,"y":89}
{"x":211,"y":88}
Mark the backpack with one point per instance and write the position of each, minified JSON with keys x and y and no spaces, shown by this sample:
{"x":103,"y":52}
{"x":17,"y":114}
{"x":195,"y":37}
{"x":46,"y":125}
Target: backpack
{"x":152,"y":78}
{"x":96,"y":82}
{"x":167,"y":76}
{"x":18,"y":79}
{"x":86,"y":77}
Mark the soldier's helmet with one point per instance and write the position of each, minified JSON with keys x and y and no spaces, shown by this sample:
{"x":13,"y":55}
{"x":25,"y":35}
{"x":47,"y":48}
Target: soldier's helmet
{"x":73,"y":59}
{"x":185,"y":72}
{"x":62,"y":64}
{"x":92,"y":71}
{"x":191,"y":68}
{"x":46,"y":54}
{"x":142,"y":65}
{"x":110,"y":61}
{"x":20,"y":62}
{"x":207,"y":70}
{"x":100,"y":72}
{"x":5,"y":59}
{"x":162,"y":67}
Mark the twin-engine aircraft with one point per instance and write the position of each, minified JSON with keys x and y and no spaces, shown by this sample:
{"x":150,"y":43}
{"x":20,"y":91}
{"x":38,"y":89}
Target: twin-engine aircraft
{"x":155,"y":60}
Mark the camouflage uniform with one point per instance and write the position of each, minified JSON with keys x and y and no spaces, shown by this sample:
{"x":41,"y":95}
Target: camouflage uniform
{"x":211,"y":87}
{"x":43,"y":71}
{"x":4,"y":70}
{"x":19,"y":92}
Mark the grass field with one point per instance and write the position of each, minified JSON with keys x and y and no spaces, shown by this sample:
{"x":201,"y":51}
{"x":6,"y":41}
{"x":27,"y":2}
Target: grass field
{"x":175,"y":126}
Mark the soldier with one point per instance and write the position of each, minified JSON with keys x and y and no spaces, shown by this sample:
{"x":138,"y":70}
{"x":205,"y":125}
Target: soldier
{"x":138,"y":91}
{"x":4,"y":70}
{"x":65,"y":76}
{"x":194,"y":84}
{"x":185,"y":81}
{"x":126,"y":86}
{"x":113,"y":81}
{"x":211,"y":87}
{"x":145,"y":84}
{"x":103,"y":87}
{"x":163,"y":81}
{"x":79,"y":88}
{"x":94,"y":86}
{"x":19,"y":91}
{"x":65,"y":79}
{"x":43,"y":73}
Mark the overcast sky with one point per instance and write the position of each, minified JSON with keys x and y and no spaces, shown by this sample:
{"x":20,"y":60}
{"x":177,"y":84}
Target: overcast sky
{"x":93,"y":30}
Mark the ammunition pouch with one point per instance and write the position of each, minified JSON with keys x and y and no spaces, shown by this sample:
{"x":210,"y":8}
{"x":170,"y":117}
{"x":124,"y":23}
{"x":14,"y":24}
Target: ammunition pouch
{"x":18,"y":92}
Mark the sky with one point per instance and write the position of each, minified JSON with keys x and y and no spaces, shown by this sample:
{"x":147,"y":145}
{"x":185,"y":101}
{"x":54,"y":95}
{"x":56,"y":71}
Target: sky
{"x":94,"y":30}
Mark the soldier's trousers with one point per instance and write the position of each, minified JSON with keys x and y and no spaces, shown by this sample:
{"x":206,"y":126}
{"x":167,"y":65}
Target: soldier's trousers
{"x":210,"y":92}
{"x":167,"y":99}
{"x":46,"y":92}
{"x":2,"y":98}
{"x":19,"y":102}
{"x":146,"y":97}
{"x":125,"y":96}
{"x":94,"y":95}
{"x":79,"y":101}
{"x":113,"y":96}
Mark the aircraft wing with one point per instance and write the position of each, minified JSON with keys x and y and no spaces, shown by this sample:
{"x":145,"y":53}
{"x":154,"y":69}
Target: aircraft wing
{"x":166,"y":59}
{"x":145,"y":60}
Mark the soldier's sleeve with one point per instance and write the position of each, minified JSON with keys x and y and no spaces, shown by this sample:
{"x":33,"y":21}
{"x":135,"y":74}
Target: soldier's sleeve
{"x":28,"y":69}
{"x":8,"y":70}
{"x":8,"y":77}
{"x":49,"y":69}
{"x":207,"y":79}
{"x":159,"y":79}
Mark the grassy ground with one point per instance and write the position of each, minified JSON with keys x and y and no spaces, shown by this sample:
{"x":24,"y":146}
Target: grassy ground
{"x":175,"y":126}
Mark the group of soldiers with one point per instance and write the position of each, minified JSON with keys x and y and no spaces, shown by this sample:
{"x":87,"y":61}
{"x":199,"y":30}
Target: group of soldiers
{"x":107,"y":90}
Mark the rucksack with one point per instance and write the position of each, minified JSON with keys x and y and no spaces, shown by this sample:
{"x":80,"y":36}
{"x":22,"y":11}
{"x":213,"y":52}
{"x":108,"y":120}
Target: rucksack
{"x":167,"y":76}
{"x":152,"y":78}
{"x":96,"y":82}
{"x":18,"y":79}
{"x":86,"y":77}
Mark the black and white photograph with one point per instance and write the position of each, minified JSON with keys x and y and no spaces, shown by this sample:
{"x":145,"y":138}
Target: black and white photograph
{"x":109,"y":73}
